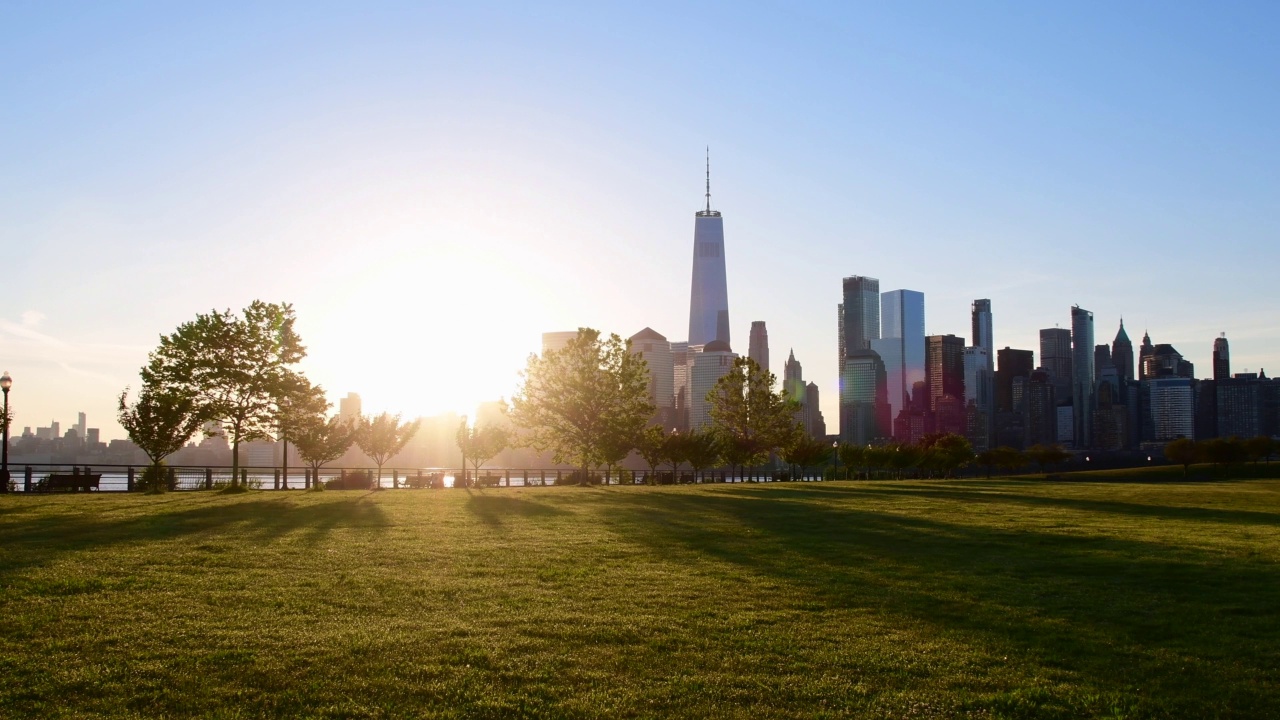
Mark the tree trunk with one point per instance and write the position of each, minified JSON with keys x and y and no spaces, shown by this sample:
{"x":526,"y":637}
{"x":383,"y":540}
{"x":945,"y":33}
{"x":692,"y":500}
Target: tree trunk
{"x":235,"y":462}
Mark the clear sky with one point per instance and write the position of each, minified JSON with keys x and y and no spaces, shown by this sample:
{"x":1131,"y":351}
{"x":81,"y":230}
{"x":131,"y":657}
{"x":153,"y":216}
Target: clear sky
{"x":433,"y":185}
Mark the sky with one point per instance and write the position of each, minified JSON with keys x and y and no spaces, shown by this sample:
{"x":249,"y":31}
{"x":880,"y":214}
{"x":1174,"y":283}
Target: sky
{"x":434,"y":185}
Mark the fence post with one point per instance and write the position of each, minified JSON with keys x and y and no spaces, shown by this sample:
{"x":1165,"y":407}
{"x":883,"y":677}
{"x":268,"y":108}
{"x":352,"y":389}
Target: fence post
{"x":129,"y":480}
{"x":244,"y":477}
{"x":26,"y":479}
{"x":208,"y":478}
{"x":173,"y":479}
{"x":276,"y":472}
{"x":395,"y":479}
{"x":306,"y":478}
{"x":508,"y":479}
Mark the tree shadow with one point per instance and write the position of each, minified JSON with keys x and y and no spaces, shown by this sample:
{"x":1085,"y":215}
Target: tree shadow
{"x":1098,"y":605}
{"x":493,"y":510}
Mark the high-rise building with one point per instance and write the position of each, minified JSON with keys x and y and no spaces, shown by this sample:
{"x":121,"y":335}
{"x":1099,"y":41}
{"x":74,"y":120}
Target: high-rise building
{"x":82,"y":426}
{"x":758,"y":349}
{"x":1122,"y":354}
{"x":818,"y":424}
{"x":901,"y":345}
{"x":1055,"y":357}
{"x":1041,"y":409}
{"x":349,"y":408}
{"x":944,"y":368}
{"x":1011,"y":364}
{"x":709,"y":295}
{"x":680,"y":363}
{"x":1161,"y":361}
{"x":864,"y":407}
{"x":981,"y":311}
{"x":1221,"y":360}
{"x":656,"y":351}
{"x":1171,"y":406}
{"x":708,"y":366}
{"x":979,"y":396}
{"x":1082,"y":375}
{"x":557,"y":340}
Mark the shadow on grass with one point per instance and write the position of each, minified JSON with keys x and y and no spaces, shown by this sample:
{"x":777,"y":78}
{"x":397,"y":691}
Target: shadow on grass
{"x":493,"y":510}
{"x":40,"y":534}
{"x":1181,"y":621}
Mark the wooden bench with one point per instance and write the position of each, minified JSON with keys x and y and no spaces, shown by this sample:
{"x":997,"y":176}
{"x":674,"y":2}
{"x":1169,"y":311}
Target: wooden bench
{"x":70,"y":483}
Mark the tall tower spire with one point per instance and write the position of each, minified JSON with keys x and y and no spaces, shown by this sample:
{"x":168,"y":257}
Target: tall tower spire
{"x":708,"y":179}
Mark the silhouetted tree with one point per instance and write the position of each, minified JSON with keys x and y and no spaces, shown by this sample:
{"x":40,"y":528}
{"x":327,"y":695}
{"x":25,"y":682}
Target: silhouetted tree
{"x":480,"y":444}
{"x":584,"y":401}
{"x":702,"y":449}
{"x":299,"y":403}
{"x":805,"y":452}
{"x":160,"y":425}
{"x":654,"y":445}
{"x":1259,"y":448}
{"x":751,"y":418}
{"x":233,"y":367}
{"x":1183,"y":451}
{"x":383,"y":437}
{"x":1046,"y":455}
{"x":320,"y":441}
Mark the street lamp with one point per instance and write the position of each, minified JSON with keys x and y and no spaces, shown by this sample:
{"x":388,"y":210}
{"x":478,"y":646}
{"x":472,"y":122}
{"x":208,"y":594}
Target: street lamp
{"x":835,"y":450}
{"x":6,"y":382}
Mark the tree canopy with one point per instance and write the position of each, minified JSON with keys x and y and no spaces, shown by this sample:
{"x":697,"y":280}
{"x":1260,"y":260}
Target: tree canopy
{"x":159,"y":424}
{"x":383,"y":437}
{"x":320,"y":441}
{"x":584,"y":401}
{"x":751,"y":418}
{"x":234,"y":368}
{"x":480,"y":444}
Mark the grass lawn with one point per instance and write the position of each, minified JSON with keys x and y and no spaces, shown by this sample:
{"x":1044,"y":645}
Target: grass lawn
{"x":915,"y":599}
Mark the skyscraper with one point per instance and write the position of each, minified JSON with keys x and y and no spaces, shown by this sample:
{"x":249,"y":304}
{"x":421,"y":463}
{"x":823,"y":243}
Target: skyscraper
{"x":709,"y":296}
{"x":1082,"y":375}
{"x":1055,"y":356}
{"x":901,"y":345}
{"x":859,"y":314}
{"x":1122,"y":354}
{"x":979,"y":396}
{"x":864,"y":410}
{"x":759,"y":346}
{"x":1012,"y":364}
{"x":944,"y":368}
{"x":714,"y":362}
{"x":656,"y":351}
{"x":981,"y":311}
{"x":1221,"y":359}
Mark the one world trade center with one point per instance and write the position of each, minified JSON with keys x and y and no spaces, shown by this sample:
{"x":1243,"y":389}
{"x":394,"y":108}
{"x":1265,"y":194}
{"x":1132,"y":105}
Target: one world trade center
{"x":709,"y":300}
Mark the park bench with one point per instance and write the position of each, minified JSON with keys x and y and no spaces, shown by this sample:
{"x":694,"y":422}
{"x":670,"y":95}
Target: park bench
{"x":69,"y":483}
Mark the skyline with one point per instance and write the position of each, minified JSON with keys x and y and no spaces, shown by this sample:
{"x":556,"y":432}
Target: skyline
{"x":514,"y":163}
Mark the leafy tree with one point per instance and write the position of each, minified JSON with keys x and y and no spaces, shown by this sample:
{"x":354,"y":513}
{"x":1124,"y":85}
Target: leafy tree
{"x":702,"y":449}
{"x":1009,"y":459}
{"x":654,"y":446}
{"x":1045,"y":455}
{"x":987,"y":459}
{"x":804,"y":452}
{"x":852,"y":456}
{"x":750,"y":417}
{"x":1224,"y":452}
{"x":299,"y":403}
{"x":234,"y":368}
{"x":480,"y":444}
{"x":321,"y":441}
{"x":676,"y":453}
{"x":584,"y":401}
{"x":905,"y":457}
{"x":1259,"y":448}
{"x":160,"y":425}
{"x":948,"y":453}
{"x":383,"y":437}
{"x":1183,"y":451}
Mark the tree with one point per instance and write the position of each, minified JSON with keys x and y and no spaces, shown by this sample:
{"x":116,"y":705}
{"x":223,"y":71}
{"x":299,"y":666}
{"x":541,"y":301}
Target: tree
{"x":584,"y":401}
{"x":1045,"y":455}
{"x":233,"y":367}
{"x":1259,"y":448}
{"x":987,"y":459}
{"x":160,"y":425}
{"x":852,"y":456}
{"x":480,"y":444}
{"x":299,"y":403}
{"x":749,"y":416}
{"x":1223,"y":452}
{"x":383,"y":437}
{"x":951,"y":452}
{"x":1009,"y":459}
{"x":1182,"y":451}
{"x":804,"y":451}
{"x":321,"y":441}
{"x":654,"y":445}
{"x":702,"y":449}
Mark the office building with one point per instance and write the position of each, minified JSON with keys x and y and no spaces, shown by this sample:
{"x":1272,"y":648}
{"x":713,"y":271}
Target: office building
{"x":901,"y":345}
{"x":348,"y":410}
{"x":759,"y":346}
{"x":1055,"y":357}
{"x":1011,"y":364}
{"x":708,"y":366}
{"x":1041,"y":409}
{"x":1170,"y":408}
{"x":1221,"y":360}
{"x":858,"y":316}
{"x":709,"y":292}
{"x":864,"y":407}
{"x":557,"y":340}
{"x":1162,"y":361}
{"x":979,"y":396}
{"x":680,"y":363}
{"x":944,"y":368}
{"x":656,"y":351}
{"x":1122,"y":355}
{"x":981,"y":318}
{"x":1082,"y":375}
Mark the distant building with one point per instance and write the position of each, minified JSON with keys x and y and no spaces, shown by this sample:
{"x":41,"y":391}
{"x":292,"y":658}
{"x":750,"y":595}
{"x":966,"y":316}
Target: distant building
{"x":1082,"y":375}
{"x":858,"y":316}
{"x":558,"y":340}
{"x":981,"y":318}
{"x":1055,"y":357}
{"x":1171,"y":408}
{"x":1221,"y":359}
{"x":681,"y":363}
{"x":944,"y":368}
{"x":656,"y":351}
{"x":349,"y":408}
{"x":759,"y":347}
{"x":1122,"y":354}
{"x":979,"y":396}
{"x":901,"y":346}
{"x":1041,"y":409}
{"x":1162,"y":361}
{"x":709,"y":293}
{"x":714,"y":362}
{"x":864,"y":407}
{"x":1011,"y":364}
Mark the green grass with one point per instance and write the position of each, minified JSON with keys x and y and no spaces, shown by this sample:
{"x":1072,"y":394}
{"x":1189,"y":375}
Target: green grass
{"x":976,"y":598}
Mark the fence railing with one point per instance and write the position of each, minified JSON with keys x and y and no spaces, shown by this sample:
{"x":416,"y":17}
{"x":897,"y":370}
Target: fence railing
{"x":34,"y":477}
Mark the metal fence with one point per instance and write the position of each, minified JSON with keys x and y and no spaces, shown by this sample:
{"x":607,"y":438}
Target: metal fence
{"x":122,"y":478}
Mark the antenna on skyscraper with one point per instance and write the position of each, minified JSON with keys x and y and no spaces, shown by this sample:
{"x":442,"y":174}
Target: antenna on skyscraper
{"x":708,"y":179}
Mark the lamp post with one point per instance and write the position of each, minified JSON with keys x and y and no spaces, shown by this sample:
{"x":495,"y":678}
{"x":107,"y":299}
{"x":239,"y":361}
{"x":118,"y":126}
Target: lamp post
{"x":835,"y":452}
{"x":6,"y":382}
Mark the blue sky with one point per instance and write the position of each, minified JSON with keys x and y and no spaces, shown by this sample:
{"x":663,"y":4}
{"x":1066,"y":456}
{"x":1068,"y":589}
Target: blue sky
{"x":434,"y":186}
